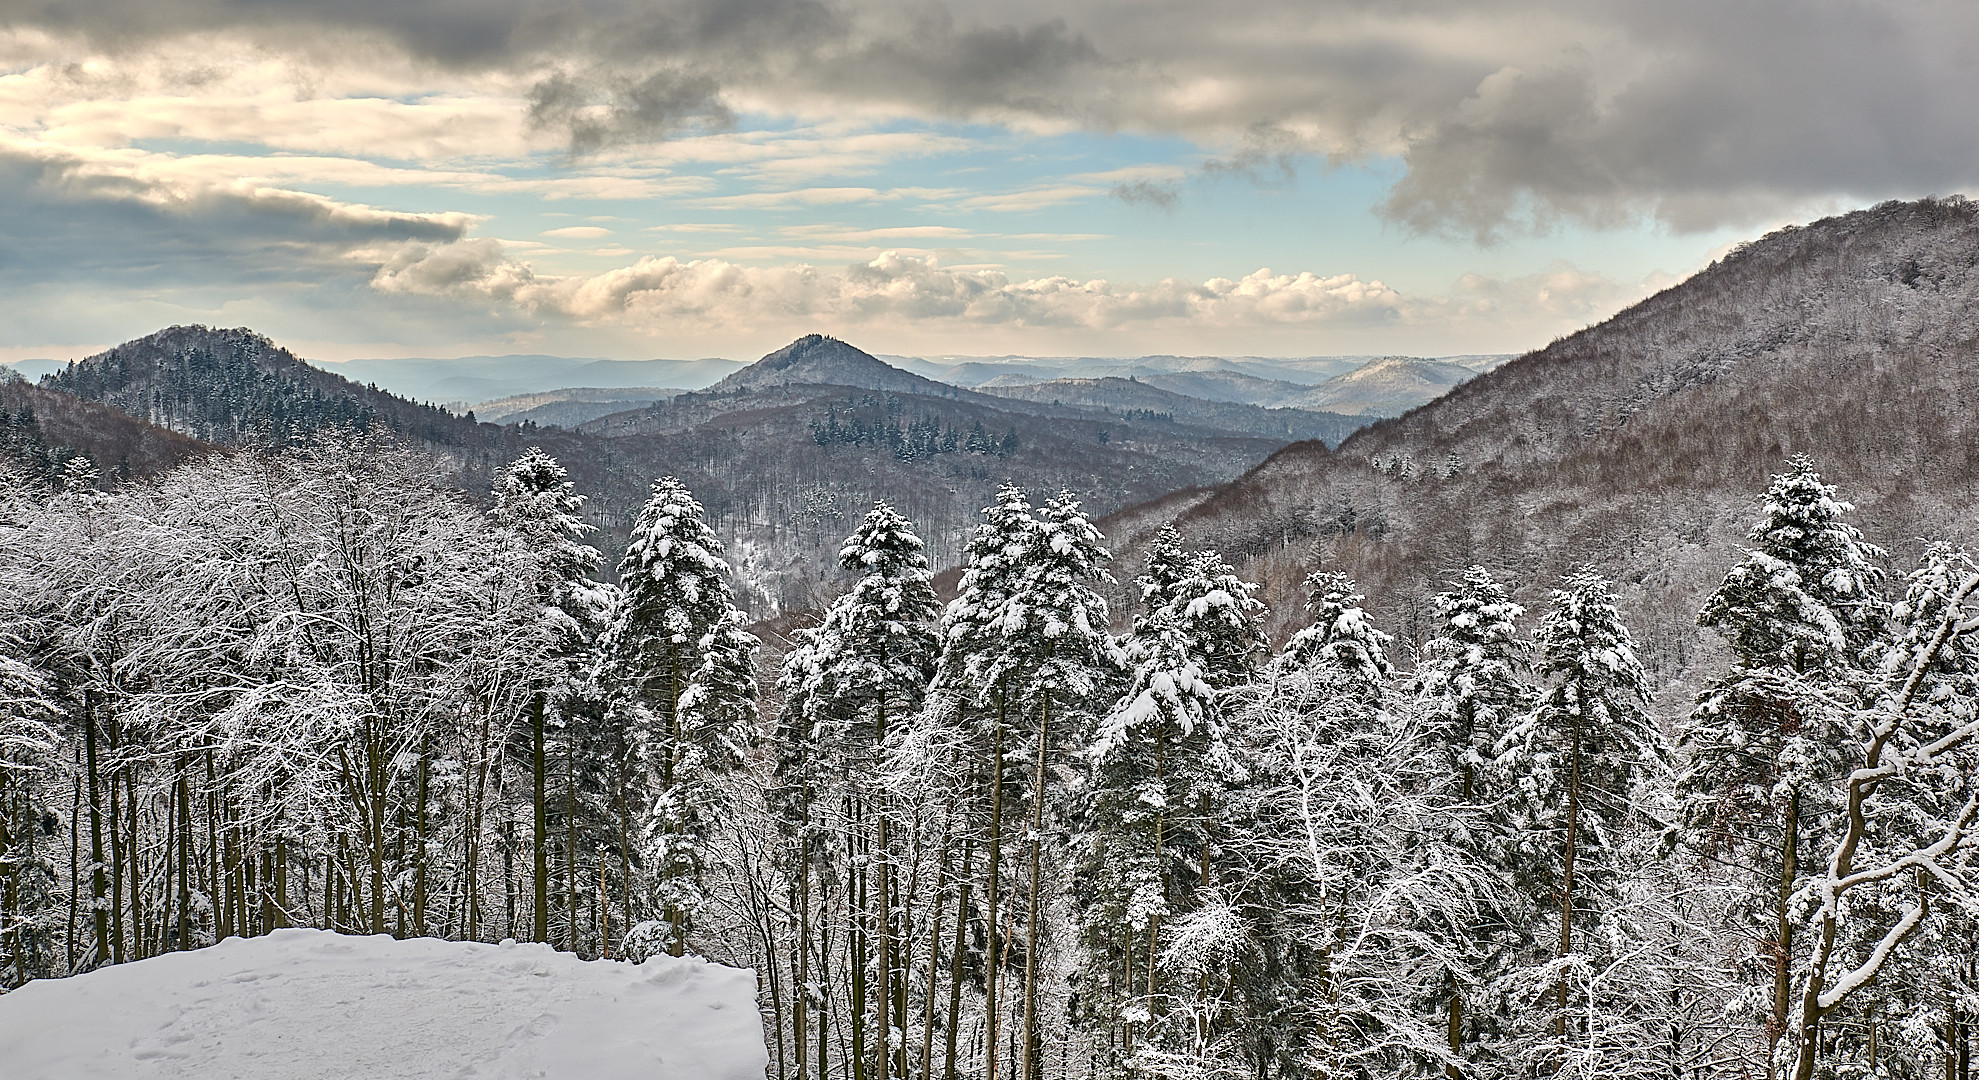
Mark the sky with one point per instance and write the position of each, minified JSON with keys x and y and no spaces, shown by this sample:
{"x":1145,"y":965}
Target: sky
{"x":682,"y":178}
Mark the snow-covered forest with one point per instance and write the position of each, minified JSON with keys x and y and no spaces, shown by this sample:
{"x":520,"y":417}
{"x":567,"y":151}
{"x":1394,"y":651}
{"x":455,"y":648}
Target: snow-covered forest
{"x":1017,"y":834}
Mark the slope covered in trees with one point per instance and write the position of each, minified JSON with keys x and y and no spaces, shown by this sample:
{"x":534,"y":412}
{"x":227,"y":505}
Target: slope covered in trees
{"x":1633,"y":443}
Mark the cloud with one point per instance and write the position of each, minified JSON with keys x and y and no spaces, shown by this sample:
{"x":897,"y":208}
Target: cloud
{"x":664,"y":293}
{"x":1506,"y":116}
{"x":611,"y":109}
{"x":578,"y":232}
{"x":95,"y":215}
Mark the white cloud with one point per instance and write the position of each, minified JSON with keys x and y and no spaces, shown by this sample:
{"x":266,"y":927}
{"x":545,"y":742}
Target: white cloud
{"x":578,"y":232}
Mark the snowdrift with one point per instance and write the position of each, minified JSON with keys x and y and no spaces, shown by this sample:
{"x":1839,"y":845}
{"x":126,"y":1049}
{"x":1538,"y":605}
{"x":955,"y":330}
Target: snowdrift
{"x":311,"y":1005}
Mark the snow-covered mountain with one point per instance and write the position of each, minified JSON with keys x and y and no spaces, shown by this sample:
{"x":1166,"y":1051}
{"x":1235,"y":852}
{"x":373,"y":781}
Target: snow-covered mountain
{"x":1390,"y":386}
{"x":817,"y":360}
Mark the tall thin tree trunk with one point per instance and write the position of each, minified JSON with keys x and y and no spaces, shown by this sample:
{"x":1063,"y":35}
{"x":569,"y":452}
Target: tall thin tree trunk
{"x":104,"y":949}
{"x":950,"y":1061}
{"x":992,"y":959}
{"x":542,"y":927}
{"x":1033,"y":1064}
{"x":1783,"y":936}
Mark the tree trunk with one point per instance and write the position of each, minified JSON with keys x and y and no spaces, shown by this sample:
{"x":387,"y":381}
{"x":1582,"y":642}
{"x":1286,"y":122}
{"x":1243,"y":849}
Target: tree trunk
{"x":992,"y":961}
{"x":104,"y":950}
{"x":1783,"y":934}
{"x":1034,"y":1067}
{"x":542,"y":927}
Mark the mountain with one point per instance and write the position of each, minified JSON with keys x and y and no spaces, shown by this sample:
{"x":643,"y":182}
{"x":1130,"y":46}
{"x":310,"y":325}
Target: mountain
{"x":1223,"y":384}
{"x":1640,"y":444}
{"x":786,"y":454}
{"x":1130,"y":397}
{"x":1387,"y":387}
{"x":229,"y":386}
{"x":817,"y":360}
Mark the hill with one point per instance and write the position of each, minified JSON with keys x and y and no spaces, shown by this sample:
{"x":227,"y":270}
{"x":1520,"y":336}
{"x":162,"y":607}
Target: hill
{"x":42,"y":428}
{"x":817,"y":360}
{"x":1639,"y":444}
{"x":1387,"y":387}
{"x":231,"y":386}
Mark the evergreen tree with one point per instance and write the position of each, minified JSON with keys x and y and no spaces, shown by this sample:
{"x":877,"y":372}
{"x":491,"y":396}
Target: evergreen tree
{"x":1472,"y":681}
{"x":1341,"y":639}
{"x":1160,"y":764}
{"x":864,"y":668}
{"x":535,"y":499}
{"x":974,"y":691}
{"x":676,"y":654}
{"x":28,"y":895}
{"x":1577,"y":758}
{"x":1764,"y":739}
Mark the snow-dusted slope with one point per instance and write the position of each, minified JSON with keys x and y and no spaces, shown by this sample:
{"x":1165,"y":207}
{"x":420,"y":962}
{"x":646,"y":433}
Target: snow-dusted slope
{"x":311,"y":1004}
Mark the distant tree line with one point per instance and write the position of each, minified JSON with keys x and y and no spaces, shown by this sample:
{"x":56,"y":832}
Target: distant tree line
{"x":993,"y":838}
{"x":910,"y":438}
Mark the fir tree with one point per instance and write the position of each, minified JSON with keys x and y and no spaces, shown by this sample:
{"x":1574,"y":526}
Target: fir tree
{"x":1471,"y":684}
{"x":864,"y":668}
{"x":1340,"y":639}
{"x":676,"y":653}
{"x":1764,"y":739}
{"x":1577,"y":758}
{"x":1160,"y":763}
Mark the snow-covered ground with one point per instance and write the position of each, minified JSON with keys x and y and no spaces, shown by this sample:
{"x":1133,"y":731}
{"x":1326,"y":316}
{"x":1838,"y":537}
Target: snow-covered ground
{"x":312,"y":1005}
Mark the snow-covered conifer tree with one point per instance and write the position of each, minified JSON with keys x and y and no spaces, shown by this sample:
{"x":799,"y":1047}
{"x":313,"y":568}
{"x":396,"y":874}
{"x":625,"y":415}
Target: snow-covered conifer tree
{"x":1341,"y":639}
{"x":976,"y":691}
{"x":1765,"y":738}
{"x":864,"y":669}
{"x":1160,"y":765}
{"x":1577,"y":759}
{"x":1471,"y":682}
{"x":675,"y":649}
{"x":28,"y":898}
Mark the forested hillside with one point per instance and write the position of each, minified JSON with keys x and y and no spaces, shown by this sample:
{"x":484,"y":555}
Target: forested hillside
{"x":42,"y":428}
{"x":1634,"y":443}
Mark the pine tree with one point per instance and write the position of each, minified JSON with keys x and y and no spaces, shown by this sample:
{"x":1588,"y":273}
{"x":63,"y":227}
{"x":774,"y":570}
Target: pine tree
{"x":1472,"y":681}
{"x":676,"y":654}
{"x":1764,"y":739}
{"x":974,"y":691}
{"x":28,"y":740}
{"x":580,"y":766}
{"x":864,"y":668}
{"x":1341,"y":639}
{"x":1160,"y":764}
{"x":1577,"y":758}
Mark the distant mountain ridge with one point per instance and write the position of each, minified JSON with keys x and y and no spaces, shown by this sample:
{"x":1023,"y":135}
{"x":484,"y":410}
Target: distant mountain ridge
{"x":1127,"y":397}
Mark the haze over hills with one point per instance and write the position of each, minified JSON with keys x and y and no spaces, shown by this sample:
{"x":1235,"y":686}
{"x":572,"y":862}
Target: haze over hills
{"x":469,"y":380}
{"x":1130,"y":397}
{"x":1640,"y":444}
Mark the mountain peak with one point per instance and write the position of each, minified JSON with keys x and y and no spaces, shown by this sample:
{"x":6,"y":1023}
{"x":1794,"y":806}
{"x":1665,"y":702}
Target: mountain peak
{"x":819,"y":360}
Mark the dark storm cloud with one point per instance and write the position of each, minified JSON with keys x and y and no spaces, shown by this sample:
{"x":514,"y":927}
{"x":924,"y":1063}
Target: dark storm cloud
{"x":1508,"y":115}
